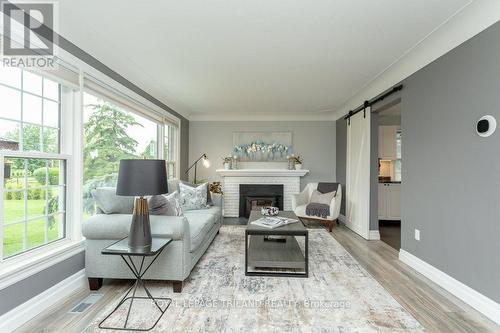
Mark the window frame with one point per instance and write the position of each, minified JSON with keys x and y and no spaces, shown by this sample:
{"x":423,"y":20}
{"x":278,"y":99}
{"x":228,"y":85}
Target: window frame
{"x":29,"y":262}
{"x":42,"y":126}
{"x":68,"y":188}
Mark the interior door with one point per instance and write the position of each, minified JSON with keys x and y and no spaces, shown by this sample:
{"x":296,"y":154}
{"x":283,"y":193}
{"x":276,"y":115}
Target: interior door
{"x":358,"y":173}
{"x":394,"y":200}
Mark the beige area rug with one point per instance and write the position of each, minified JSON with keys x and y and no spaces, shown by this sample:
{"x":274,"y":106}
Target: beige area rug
{"x":338,"y":296}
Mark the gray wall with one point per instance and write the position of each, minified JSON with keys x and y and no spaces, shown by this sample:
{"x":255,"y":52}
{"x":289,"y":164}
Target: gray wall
{"x":451,"y":176}
{"x":184,"y":147}
{"x":313,"y":140}
{"x":24,"y":290}
{"x":341,"y":144}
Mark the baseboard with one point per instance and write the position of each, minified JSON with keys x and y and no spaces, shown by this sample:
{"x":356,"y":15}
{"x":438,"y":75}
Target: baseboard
{"x":374,"y":235}
{"x":478,"y":301}
{"x":20,"y":315}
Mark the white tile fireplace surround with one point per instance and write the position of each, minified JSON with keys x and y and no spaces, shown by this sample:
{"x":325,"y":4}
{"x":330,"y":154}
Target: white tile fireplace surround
{"x":231,"y":180}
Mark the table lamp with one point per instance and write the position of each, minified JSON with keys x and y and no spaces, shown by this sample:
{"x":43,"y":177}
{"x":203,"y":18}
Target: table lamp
{"x":140,"y":178}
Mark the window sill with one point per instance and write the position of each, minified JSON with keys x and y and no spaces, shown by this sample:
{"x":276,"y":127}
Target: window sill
{"x":27,"y":264}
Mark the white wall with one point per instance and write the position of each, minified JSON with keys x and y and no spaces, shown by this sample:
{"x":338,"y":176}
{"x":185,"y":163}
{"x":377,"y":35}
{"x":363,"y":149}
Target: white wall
{"x":313,"y":140}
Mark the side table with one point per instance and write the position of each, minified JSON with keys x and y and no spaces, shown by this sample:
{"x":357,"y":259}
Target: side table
{"x":122,"y":249}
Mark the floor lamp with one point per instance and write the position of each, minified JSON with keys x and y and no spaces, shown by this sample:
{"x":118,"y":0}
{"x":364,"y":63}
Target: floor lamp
{"x":206,"y":164}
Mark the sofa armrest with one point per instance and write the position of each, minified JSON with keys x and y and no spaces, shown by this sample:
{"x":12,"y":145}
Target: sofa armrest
{"x":216,"y":199}
{"x":117,"y":226}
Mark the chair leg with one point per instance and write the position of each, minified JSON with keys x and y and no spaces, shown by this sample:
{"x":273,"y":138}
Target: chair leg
{"x":330,"y":226}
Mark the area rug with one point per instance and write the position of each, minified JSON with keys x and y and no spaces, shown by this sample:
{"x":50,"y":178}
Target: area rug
{"x":338,"y":296}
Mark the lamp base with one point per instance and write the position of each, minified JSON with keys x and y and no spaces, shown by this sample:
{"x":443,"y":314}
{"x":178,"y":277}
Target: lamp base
{"x":140,"y":230}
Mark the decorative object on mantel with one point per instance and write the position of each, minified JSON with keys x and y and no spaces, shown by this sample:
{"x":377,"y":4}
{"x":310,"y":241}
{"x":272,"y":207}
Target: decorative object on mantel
{"x":269,"y":211}
{"x":216,"y":187}
{"x":298,"y":162}
{"x":291,"y":162}
{"x":262,"y":146}
{"x":206,"y":164}
{"x":234,"y":163}
{"x":226,"y":162}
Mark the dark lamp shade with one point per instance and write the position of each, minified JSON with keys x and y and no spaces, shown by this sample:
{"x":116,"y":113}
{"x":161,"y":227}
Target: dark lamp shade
{"x":142,"y":177}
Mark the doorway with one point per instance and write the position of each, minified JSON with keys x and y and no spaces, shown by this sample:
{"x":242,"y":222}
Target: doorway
{"x":390,"y":137}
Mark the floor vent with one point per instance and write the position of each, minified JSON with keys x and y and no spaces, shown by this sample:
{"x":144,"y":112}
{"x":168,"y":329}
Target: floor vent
{"x":86,"y":303}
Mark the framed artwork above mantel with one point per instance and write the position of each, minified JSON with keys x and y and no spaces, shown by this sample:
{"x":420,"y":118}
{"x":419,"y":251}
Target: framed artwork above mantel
{"x":262,"y":146}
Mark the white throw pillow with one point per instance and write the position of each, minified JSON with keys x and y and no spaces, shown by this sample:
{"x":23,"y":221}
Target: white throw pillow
{"x":322,"y":198}
{"x":193,"y":197}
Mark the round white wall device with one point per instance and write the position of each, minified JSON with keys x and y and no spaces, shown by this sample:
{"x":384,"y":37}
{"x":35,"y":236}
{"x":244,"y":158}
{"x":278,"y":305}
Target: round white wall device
{"x":486,"y":126}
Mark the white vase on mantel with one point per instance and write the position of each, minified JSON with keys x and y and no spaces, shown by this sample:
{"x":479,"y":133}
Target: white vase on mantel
{"x":226,"y":166}
{"x":298,"y":166}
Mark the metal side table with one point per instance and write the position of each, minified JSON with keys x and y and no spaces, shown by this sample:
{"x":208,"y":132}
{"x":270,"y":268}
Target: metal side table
{"x":121,"y":249}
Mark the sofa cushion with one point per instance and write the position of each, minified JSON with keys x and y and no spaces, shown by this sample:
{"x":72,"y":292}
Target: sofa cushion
{"x":193,"y":197}
{"x":199,"y":226}
{"x":117,"y":226}
{"x":110,"y":203}
{"x":216,"y":211}
{"x":165,"y":204}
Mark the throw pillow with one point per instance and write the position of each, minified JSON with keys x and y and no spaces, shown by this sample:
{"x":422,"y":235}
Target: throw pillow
{"x":166,"y":204}
{"x":209,"y":196}
{"x":193,"y":197}
{"x":110,"y":203}
{"x":322,"y":198}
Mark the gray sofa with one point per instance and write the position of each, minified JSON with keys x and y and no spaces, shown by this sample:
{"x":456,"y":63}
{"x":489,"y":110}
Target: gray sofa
{"x":191,"y":235}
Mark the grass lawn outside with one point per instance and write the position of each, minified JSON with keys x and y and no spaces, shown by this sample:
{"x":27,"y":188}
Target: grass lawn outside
{"x":13,"y":237}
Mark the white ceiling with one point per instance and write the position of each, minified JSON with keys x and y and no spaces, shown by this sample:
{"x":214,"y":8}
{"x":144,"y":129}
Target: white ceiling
{"x":260,"y":56}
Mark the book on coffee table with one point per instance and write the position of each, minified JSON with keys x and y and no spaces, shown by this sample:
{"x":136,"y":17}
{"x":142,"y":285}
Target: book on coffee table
{"x":273,"y":222}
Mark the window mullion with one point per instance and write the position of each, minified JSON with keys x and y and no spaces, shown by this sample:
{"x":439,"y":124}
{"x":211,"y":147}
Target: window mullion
{"x":25,"y":232}
{"x":2,"y":219}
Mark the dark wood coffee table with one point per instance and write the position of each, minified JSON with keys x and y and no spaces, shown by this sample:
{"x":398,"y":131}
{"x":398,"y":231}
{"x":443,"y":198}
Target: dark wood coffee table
{"x":276,"y":258}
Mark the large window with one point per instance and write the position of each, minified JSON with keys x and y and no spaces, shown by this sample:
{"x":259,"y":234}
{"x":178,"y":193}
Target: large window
{"x":34,"y":171}
{"x":30,"y":111}
{"x":112,"y":133}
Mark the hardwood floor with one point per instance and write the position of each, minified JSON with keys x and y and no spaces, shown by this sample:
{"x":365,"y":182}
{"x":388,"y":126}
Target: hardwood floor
{"x":436,"y":309}
{"x":390,"y":233}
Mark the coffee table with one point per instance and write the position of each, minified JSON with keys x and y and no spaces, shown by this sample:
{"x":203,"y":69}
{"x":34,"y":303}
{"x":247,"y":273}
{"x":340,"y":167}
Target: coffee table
{"x":284,"y":257}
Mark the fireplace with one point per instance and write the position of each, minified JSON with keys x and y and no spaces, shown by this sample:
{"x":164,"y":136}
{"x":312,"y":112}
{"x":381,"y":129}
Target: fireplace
{"x":254,"y":196}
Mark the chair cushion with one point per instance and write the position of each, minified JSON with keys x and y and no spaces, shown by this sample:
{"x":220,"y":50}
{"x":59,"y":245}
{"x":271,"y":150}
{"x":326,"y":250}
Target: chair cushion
{"x":322,"y":198}
{"x":199,"y":226}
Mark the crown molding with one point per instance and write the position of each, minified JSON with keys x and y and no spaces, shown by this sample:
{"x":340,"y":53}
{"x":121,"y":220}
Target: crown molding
{"x":464,"y":24}
{"x":312,"y":116}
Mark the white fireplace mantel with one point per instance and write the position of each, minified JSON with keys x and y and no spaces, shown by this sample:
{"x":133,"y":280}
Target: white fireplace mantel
{"x":261,"y":173}
{"x":232,"y":179}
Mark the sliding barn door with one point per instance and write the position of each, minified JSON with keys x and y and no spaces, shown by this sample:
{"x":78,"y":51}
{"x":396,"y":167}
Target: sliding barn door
{"x":358,"y":173}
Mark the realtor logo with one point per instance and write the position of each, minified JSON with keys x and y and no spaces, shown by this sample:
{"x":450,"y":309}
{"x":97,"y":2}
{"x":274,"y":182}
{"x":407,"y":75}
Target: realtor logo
{"x":28,"y":33}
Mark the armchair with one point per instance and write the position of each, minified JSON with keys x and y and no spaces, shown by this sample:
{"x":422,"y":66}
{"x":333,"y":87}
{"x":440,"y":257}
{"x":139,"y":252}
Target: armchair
{"x":301,"y":200}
